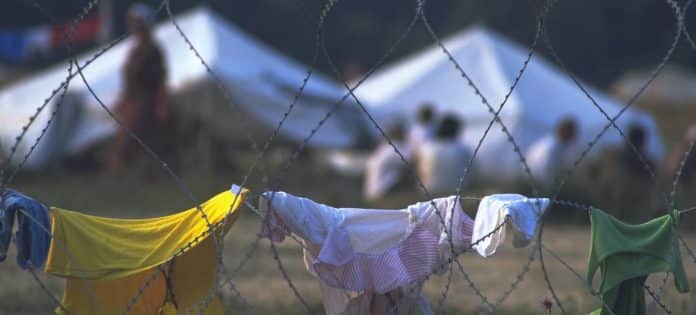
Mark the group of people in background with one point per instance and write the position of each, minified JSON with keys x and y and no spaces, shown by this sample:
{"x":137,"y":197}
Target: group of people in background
{"x":556,"y":153}
{"x":431,"y":144}
{"x":619,"y":175}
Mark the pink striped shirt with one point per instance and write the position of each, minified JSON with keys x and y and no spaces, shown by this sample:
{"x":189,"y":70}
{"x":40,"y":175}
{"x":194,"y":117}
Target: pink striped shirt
{"x":366,"y":250}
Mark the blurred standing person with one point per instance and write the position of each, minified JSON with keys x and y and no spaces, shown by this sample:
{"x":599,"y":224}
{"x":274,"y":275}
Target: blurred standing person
{"x":142,"y":106}
{"x":441,"y":161}
{"x":675,"y":159}
{"x":385,"y":168}
{"x":637,"y":198}
{"x":353,"y":71}
{"x":631,"y":161}
{"x":423,"y":128}
{"x":550,"y":154}
{"x":3,"y":158}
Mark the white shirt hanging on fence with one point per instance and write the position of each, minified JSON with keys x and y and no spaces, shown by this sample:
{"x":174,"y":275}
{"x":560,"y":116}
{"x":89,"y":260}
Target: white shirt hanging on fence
{"x":380,"y":253}
{"x":522,"y":213}
{"x":441,"y":165}
{"x":384,"y":170}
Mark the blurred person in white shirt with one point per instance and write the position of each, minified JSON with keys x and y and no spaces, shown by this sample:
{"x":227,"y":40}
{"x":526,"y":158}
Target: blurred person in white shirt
{"x":442,"y":160}
{"x":423,"y":128}
{"x":385,"y":168}
{"x":552,"y":153}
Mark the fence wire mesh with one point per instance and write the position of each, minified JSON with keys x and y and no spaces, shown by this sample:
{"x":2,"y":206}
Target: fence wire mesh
{"x":224,"y":278}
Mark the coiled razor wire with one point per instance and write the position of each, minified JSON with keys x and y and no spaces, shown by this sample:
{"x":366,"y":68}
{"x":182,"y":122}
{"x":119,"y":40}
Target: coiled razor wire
{"x":68,"y":36}
{"x":576,"y":163}
{"x":320,"y":47}
{"x":162,"y":164}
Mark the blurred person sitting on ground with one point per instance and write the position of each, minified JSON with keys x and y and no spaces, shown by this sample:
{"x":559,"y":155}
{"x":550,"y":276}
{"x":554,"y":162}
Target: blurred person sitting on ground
{"x":142,"y":106}
{"x":552,"y":153}
{"x":423,"y":128}
{"x":441,"y":161}
{"x":680,"y":150}
{"x":385,"y":168}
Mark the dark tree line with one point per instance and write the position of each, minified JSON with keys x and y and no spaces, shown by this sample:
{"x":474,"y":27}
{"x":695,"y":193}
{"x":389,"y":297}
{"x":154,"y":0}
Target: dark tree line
{"x":598,"y":39}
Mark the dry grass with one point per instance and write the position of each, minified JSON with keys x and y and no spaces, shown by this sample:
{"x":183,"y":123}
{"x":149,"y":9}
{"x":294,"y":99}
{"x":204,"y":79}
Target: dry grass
{"x":263,"y":286}
{"x":260,"y":281}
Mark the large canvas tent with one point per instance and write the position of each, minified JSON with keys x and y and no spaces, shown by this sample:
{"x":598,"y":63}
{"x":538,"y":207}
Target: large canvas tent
{"x":543,"y":97}
{"x":261,"y":81}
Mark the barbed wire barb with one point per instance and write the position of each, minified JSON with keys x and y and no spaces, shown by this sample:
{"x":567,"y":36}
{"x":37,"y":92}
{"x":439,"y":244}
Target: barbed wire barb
{"x":224,"y":277}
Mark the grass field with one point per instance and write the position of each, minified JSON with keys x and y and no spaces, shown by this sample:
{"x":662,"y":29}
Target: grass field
{"x":264,"y":287}
{"x":260,"y":281}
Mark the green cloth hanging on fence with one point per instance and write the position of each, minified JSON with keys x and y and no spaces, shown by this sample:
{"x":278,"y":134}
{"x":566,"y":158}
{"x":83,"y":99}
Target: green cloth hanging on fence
{"x":626,"y":254}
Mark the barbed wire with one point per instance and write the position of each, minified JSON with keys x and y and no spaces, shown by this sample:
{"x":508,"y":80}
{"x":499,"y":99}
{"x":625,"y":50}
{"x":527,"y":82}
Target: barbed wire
{"x":224,"y":278}
{"x":593,"y":292}
{"x":68,"y":36}
{"x":409,"y":168}
{"x":131,"y":134}
{"x":595,"y":140}
{"x":60,"y":244}
{"x":46,"y":290}
{"x":496,"y":118}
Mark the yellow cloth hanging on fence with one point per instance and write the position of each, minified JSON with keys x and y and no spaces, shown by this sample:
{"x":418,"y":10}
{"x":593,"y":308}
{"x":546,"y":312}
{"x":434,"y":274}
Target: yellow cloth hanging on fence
{"x":107,"y":261}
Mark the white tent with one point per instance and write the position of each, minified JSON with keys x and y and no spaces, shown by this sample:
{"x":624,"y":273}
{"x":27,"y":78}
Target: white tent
{"x":543,"y":97}
{"x":262,"y":81}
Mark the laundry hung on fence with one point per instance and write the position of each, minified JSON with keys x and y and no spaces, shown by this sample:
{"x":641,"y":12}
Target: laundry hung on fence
{"x":521,"y":212}
{"x":367,"y":260}
{"x":626,"y":254}
{"x":33,"y":228}
{"x":107,"y":261}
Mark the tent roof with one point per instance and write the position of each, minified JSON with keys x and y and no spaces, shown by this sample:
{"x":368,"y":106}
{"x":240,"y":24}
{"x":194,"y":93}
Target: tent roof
{"x":428,"y":76}
{"x":226,"y":48}
{"x":492,"y":62}
{"x":542,"y":98}
{"x":236,"y":57}
{"x":233,"y":53}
